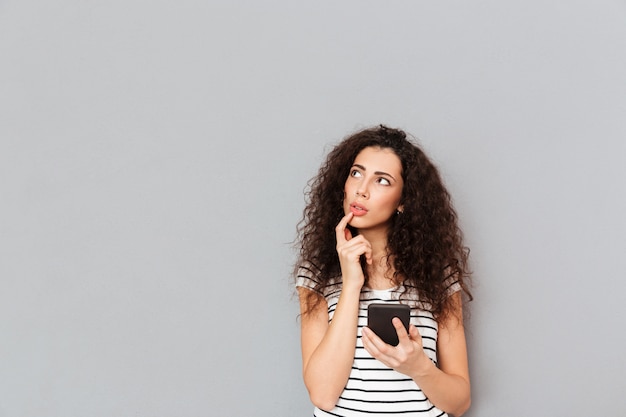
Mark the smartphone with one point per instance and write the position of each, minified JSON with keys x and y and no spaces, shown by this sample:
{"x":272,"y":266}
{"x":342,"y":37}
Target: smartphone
{"x":379,"y":316}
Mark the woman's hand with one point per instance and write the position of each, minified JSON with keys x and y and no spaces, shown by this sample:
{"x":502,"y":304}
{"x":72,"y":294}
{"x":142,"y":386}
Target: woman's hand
{"x":350,"y":250}
{"x":408,"y":357}
{"x":446,"y":386}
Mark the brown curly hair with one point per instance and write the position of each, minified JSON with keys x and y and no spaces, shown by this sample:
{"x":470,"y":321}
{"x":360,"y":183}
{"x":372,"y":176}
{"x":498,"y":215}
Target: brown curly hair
{"x":425,"y":244}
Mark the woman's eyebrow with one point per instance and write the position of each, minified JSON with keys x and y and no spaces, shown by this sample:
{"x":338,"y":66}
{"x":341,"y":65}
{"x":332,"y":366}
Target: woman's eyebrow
{"x":361,"y":167}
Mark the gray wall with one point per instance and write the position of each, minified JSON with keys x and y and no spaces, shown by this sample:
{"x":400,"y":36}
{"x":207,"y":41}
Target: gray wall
{"x":152,"y":162}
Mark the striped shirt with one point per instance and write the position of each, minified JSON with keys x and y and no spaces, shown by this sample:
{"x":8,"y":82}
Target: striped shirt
{"x":373,"y":389}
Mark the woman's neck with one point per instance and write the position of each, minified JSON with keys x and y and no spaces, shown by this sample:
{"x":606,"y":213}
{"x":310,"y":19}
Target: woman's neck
{"x":380,"y":273}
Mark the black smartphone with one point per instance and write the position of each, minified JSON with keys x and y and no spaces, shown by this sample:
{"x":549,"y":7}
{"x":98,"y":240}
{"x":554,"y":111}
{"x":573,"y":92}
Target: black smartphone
{"x":379,"y":318}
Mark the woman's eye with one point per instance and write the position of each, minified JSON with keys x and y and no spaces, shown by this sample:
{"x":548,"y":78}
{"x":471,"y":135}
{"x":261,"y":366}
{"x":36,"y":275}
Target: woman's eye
{"x":355,"y":173}
{"x":384,"y":181}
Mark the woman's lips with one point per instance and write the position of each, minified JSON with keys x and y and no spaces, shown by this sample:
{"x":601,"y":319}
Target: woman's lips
{"x":357,"y":209}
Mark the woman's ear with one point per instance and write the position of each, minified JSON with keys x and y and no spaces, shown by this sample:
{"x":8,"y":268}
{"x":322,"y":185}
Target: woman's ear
{"x":400,"y":209}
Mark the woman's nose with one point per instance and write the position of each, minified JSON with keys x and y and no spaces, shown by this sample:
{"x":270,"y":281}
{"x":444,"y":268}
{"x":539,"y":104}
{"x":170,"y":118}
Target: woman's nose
{"x":362,"y":192}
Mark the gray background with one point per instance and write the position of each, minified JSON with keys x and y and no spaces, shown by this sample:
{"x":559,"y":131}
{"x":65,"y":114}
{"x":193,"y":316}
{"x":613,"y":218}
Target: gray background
{"x":152,"y":162}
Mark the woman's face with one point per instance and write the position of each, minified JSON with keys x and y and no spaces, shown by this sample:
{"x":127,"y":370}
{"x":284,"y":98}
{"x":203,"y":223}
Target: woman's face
{"x":373,"y":188}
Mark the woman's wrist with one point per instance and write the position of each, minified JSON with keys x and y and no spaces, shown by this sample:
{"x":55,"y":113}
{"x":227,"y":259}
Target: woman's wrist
{"x":352,"y":285}
{"x":424,"y":368}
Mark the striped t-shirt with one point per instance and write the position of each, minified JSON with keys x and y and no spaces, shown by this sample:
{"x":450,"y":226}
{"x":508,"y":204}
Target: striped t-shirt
{"x":373,"y":389}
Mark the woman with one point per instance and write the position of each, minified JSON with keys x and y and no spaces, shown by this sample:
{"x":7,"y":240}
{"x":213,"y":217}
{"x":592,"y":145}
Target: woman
{"x":379,"y":226}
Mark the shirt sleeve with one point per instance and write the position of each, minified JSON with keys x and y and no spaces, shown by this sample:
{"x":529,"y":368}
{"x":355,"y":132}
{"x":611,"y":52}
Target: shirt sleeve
{"x":452,"y":284}
{"x":305,"y":279}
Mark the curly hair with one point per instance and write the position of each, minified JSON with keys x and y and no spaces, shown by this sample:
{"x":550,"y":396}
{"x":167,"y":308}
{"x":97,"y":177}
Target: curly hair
{"x":425,"y":244}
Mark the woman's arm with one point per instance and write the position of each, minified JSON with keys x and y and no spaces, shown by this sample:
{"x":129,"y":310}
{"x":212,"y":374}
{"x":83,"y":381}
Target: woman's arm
{"x":446,"y":386}
{"x":328,"y":349}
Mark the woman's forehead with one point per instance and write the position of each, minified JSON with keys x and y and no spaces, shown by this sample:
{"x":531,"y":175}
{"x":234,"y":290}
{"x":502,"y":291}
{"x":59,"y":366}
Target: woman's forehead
{"x":379,"y":159}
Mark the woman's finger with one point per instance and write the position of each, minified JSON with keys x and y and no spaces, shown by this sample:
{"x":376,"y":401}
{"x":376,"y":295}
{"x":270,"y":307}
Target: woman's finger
{"x":340,"y":230}
{"x":354,"y":248}
{"x":376,"y":347}
{"x":403,"y":336}
{"x":414,"y":333}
